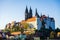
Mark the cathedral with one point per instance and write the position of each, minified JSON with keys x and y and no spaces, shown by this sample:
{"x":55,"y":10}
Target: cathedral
{"x":28,"y":14}
{"x":37,"y":21}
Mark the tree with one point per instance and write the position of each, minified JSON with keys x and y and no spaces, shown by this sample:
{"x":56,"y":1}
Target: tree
{"x":57,"y":30}
{"x":25,"y":25}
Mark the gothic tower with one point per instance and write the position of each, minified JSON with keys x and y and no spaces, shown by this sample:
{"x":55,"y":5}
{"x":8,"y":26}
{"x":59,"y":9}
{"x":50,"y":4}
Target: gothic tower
{"x":30,"y":13}
{"x":36,"y":13}
{"x":26,"y":13}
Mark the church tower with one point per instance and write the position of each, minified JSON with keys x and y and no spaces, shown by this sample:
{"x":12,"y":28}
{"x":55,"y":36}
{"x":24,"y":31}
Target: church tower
{"x":36,"y":13}
{"x":30,"y":13}
{"x":26,"y":13}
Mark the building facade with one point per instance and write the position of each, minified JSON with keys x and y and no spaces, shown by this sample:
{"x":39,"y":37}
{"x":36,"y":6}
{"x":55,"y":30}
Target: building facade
{"x":40,"y":21}
{"x":36,"y":21}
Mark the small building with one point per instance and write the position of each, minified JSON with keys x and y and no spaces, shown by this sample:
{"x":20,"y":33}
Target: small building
{"x":58,"y":34}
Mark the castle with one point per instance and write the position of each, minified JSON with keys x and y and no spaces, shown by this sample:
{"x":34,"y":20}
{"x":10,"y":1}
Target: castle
{"x":36,"y":21}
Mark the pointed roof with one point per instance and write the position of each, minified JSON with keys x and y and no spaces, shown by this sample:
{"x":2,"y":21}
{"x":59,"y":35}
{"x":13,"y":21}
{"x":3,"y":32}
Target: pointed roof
{"x":36,"y":13}
{"x":30,"y":9}
{"x":29,"y":20}
{"x":26,"y":10}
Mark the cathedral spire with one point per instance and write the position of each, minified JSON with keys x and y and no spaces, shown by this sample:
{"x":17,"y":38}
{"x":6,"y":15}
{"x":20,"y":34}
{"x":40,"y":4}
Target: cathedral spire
{"x":30,"y":13}
{"x":26,"y":13}
{"x":26,"y":10}
{"x":36,"y":13}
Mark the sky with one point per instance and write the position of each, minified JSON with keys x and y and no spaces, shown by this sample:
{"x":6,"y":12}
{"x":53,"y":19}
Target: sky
{"x":14,"y":10}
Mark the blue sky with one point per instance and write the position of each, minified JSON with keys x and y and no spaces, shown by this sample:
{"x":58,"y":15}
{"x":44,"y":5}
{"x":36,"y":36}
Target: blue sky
{"x":13,"y":10}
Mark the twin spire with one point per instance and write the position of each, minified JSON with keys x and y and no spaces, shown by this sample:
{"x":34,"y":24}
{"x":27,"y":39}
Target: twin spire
{"x":26,"y":11}
{"x":29,"y":14}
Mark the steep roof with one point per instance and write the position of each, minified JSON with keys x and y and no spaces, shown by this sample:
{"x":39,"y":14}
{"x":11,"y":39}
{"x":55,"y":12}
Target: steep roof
{"x":29,"y":20}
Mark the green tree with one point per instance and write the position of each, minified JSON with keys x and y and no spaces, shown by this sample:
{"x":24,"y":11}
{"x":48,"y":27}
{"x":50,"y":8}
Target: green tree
{"x":25,"y":25}
{"x":57,"y":30}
